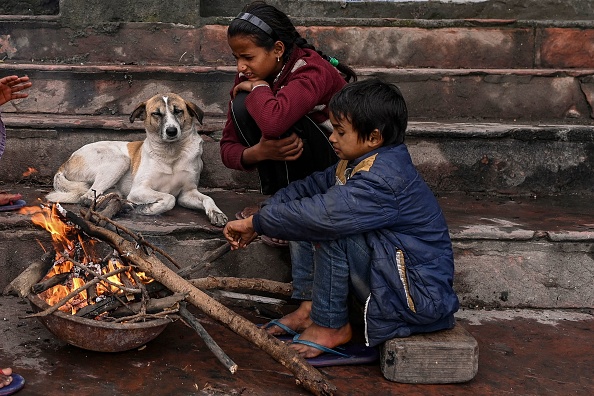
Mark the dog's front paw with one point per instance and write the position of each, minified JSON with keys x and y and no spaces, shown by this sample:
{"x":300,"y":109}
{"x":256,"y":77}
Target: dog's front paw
{"x":217,"y":218}
{"x":87,"y":199}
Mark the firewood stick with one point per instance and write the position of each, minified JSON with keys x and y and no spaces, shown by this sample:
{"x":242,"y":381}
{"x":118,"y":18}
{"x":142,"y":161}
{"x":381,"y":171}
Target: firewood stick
{"x":42,"y":286}
{"x":153,"y":306}
{"x":207,"y":259}
{"x":21,"y":285}
{"x":136,"y":238}
{"x":92,"y":310}
{"x":255,"y":284}
{"x":304,"y":373}
{"x":73,"y":294}
{"x":208,"y":340}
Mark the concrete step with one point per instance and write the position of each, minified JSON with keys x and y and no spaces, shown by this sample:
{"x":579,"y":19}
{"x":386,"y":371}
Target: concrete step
{"x":189,"y":10}
{"x":359,"y":42}
{"x":508,"y":95}
{"x":509,"y":252}
{"x":511,"y":159}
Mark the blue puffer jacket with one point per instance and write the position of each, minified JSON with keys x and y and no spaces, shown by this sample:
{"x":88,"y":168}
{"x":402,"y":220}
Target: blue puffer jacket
{"x":385,"y":198}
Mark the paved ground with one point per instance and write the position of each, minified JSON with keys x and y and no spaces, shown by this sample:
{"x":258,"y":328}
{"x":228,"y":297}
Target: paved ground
{"x":521,"y":352}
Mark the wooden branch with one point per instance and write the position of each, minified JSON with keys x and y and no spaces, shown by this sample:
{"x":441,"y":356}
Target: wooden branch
{"x":305,"y":374}
{"x":92,"y":310}
{"x":255,"y":284}
{"x":137,"y":238}
{"x":42,"y":286}
{"x":143,"y":317}
{"x":191,"y":321}
{"x":153,"y":306}
{"x":207,"y":259}
{"x":21,"y":285}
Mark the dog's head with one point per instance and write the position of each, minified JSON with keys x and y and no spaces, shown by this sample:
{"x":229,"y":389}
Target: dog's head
{"x":168,"y":115}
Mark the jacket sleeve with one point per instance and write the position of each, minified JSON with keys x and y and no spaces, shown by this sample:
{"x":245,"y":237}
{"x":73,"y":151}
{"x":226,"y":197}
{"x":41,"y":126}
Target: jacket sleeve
{"x":308,"y":86}
{"x":366,"y":202}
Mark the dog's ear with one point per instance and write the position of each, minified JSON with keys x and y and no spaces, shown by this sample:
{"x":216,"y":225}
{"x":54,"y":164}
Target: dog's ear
{"x":195,"y":111}
{"x":139,"y":112}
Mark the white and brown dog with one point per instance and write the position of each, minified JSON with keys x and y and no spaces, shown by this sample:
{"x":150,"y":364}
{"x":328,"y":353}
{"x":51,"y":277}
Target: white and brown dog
{"x":152,"y":174}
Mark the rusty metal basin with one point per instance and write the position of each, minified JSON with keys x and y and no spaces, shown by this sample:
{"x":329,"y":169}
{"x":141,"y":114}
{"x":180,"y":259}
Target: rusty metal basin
{"x":95,"y":335}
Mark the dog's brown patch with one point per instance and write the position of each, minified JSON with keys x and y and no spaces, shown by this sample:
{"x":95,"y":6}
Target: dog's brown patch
{"x":134,"y":153}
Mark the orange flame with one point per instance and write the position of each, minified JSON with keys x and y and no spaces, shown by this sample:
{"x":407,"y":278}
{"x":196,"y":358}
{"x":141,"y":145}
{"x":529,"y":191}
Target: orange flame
{"x":68,"y":242}
{"x":29,"y":172}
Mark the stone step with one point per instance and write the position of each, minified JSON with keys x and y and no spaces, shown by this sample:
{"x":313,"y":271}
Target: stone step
{"x":528,"y":252}
{"x":188,"y":10}
{"x":359,"y":42}
{"x":511,"y":159}
{"x":492,"y":95}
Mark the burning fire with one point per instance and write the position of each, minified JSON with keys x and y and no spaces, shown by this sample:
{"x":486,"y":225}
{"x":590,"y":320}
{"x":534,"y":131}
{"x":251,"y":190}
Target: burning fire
{"x":29,"y":172}
{"x":73,"y":246}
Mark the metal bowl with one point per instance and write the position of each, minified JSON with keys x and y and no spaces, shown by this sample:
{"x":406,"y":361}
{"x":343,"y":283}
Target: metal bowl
{"x":95,"y":335}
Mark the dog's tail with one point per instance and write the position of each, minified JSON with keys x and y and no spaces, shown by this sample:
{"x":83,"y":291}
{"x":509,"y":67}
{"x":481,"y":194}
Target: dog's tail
{"x":66,"y":191}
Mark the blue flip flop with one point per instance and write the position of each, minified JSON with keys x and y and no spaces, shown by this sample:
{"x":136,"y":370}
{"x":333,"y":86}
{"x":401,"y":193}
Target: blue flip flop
{"x":347,"y":354}
{"x":14,"y":206}
{"x":16,"y":385}
{"x":290,"y":333}
{"x":285,"y":328}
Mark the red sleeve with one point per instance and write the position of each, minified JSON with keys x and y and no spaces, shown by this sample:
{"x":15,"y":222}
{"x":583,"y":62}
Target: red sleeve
{"x":308,"y":86}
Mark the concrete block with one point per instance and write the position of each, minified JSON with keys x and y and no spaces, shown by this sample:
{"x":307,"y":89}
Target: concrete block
{"x":443,"y":357}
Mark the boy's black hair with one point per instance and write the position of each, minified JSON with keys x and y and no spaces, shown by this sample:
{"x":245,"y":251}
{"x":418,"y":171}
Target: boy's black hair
{"x":284,"y":30}
{"x":372,"y":104}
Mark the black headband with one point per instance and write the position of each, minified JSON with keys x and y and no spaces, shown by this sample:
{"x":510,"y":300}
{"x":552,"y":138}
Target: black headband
{"x":254,"y":20}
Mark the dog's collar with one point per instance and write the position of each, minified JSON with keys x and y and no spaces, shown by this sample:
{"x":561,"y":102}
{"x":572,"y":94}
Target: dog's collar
{"x":254,"y":20}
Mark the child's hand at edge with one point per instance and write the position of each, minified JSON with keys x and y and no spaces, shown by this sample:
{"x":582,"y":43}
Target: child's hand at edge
{"x":240,"y":233}
{"x":10,"y":87}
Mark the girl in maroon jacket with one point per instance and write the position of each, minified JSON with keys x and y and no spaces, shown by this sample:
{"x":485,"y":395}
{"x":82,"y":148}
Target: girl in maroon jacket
{"x":277,"y":121}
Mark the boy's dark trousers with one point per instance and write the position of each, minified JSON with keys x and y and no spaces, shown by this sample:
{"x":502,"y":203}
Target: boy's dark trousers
{"x":317,"y":155}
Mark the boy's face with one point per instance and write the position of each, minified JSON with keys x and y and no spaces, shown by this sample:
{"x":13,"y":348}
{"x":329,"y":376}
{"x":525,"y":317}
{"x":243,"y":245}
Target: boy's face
{"x":256,"y":63}
{"x":346,"y":143}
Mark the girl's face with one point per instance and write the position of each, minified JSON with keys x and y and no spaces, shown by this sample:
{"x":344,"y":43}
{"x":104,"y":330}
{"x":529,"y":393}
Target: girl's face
{"x":256,"y":63}
{"x":346,"y":143}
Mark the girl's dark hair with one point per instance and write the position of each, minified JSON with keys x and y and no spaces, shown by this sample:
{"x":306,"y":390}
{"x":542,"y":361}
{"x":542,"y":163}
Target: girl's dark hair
{"x":372,"y":104}
{"x":283,"y":28}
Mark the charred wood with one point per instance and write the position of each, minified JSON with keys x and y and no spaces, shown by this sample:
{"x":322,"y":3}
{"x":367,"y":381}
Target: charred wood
{"x":42,"y":286}
{"x":105,"y":305}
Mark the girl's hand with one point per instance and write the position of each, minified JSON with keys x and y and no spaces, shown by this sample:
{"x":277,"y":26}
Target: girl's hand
{"x":286,"y":149}
{"x":248,"y":86}
{"x":239,"y":233}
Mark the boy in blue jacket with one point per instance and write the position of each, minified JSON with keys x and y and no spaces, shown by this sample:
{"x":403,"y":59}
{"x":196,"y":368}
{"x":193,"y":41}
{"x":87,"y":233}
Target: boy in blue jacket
{"x":376,"y":228}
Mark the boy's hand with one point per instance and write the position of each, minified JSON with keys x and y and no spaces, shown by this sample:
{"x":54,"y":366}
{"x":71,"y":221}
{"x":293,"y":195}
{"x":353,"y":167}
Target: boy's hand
{"x":239,"y":233}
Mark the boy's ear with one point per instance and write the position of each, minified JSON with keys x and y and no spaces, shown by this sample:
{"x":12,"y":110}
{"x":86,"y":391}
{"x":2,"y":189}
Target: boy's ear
{"x":375,"y":139}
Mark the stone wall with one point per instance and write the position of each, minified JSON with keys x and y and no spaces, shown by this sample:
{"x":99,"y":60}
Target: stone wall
{"x":194,"y":11}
